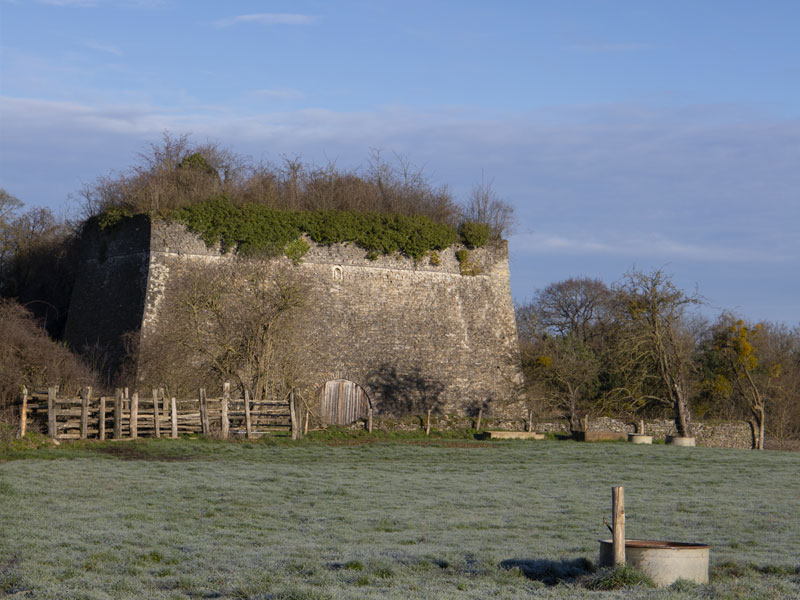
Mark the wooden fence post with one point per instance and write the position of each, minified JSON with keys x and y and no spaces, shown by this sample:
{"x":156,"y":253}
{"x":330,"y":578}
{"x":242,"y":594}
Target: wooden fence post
{"x":369,"y":419}
{"x":293,"y":417}
{"x":117,"y":413}
{"x":480,"y":415}
{"x":428,"y":423}
{"x":156,"y":414}
{"x":225,"y":423}
{"x":204,"y":411}
{"x":618,"y":524}
{"x":174,"y":410}
{"x":135,"y":415}
{"x":305,"y":421}
{"x":23,"y":416}
{"x":530,"y":420}
{"x":52,"y":425}
{"x":85,"y":397}
{"x":248,"y":423}
{"x":101,"y":419}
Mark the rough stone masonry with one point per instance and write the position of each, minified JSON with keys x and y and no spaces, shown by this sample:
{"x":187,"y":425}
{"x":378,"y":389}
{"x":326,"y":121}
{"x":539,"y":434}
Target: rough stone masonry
{"x":396,"y":328}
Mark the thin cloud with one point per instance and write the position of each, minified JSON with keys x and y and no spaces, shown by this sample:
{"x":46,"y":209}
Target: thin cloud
{"x":600,"y":47}
{"x":280,"y":93}
{"x":654,"y":245}
{"x":269,"y":19}
{"x":101,"y":47}
{"x":96,"y":3}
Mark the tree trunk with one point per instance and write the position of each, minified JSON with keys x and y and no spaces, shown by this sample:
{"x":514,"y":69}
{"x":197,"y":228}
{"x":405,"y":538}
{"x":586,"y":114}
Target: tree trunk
{"x":760,"y":418}
{"x":684,"y":417}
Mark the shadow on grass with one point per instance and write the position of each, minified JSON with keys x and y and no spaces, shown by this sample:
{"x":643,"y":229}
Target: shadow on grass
{"x":550,"y":572}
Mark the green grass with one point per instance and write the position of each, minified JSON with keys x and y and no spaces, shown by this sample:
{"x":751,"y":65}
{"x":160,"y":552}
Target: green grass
{"x":384,"y":517}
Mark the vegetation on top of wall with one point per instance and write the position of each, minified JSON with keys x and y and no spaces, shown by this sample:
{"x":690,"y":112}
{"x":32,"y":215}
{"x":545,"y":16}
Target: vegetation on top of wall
{"x":258,"y":229}
{"x":474,"y":234}
{"x":175,"y":174}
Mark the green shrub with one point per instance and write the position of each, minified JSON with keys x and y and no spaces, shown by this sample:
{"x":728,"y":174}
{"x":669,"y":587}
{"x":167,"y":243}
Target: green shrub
{"x":296,"y":250}
{"x":466,"y":265}
{"x":197,"y":162}
{"x":257,"y":229}
{"x":474,"y":235}
{"x":617,"y":578}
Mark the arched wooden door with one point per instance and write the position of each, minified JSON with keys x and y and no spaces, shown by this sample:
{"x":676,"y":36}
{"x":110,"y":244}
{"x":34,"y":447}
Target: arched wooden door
{"x":343,"y":402}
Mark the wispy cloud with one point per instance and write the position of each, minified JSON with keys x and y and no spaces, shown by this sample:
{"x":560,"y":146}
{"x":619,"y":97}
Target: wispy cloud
{"x":280,"y":93}
{"x":96,"y":3}
{"x":642,"y":246}
{"x":269,"y":19}
{"x":609,"y":47}
{"x":102,"y":47}
{"x":79,"y":3}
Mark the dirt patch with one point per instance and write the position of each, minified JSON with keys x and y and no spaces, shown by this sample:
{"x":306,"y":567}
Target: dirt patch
{"x":131,"y":452}
{"x":451,"y":444}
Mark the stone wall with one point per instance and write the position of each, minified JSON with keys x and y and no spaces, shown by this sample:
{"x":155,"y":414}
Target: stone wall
{"x":404,"y":331}
{"x":718,"y":434}
{"x":110,"y":286}
{"x":714,"y":434}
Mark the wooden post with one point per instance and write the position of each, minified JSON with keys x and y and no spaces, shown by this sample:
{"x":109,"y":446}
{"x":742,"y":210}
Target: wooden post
{"x":480,"y":416}
{"x":428,"y":423}
{"x":118,"y":413}
{"x":586,"y":423}
{"x":305,"y":422}
{"x":87,"y":393}
{"x":157,"y":394}
{"x":641,"y":426}
{"x":530,"y":420}
{"x":205,"y":428}
{"x":174,"y":412}
{"x":226,"y":396}
{"x":23,"y":416}
{"x":248,"y":423}
{"x":369,"y":420}
{"x":52,"y":426}
{"x":101,"y":419}
{"x":293,"y":417}
{"x":618,"y":524}
{"x":135,"y":415}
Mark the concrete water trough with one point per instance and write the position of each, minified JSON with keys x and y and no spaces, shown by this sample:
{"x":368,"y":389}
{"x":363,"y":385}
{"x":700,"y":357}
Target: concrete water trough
{"x":599,"y":436}
{"x":677,"y":440}
{"x":640,"y":438}
{"x":664,"y":562}
{"x":512,"y":435}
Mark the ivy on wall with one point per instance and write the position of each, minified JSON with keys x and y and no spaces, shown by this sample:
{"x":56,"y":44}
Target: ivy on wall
{"x":257,"y":229}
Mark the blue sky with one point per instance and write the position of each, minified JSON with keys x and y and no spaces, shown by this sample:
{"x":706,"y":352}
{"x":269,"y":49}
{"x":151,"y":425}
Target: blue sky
{"x":647,"y":134}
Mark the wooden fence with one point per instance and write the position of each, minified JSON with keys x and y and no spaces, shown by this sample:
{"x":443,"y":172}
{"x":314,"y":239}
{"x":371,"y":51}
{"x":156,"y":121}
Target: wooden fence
{"x":130,"y":416}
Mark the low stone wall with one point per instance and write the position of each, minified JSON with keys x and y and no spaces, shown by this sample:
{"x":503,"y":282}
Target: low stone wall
{"x":713,"y":434}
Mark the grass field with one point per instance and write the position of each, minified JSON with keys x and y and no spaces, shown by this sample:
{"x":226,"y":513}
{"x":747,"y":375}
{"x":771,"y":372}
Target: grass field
{"x":388,"y":519}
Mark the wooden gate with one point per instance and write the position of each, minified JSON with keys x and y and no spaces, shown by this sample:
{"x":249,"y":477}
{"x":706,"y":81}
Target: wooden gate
{"x":343,"y":402}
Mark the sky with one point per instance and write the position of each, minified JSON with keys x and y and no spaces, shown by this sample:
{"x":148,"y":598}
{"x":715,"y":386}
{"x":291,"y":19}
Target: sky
{"x":626,"y":134}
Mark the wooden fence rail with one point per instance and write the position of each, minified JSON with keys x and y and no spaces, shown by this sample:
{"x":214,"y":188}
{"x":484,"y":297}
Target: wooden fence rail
{"x":130,"y":416}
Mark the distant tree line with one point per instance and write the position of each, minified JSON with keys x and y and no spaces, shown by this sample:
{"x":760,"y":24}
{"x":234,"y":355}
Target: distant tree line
{"x":638,"y":348}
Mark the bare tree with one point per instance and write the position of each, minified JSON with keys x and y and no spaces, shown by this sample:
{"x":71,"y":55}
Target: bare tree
{"x":564,"y":372}
{"x":234,"y":320}
{"x":574,"y":306}
{"x":485,"y":206}
{"x":655,"y":341}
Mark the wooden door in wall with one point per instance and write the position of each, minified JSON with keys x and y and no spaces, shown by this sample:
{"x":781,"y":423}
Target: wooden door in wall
{"x":343,"y":402}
